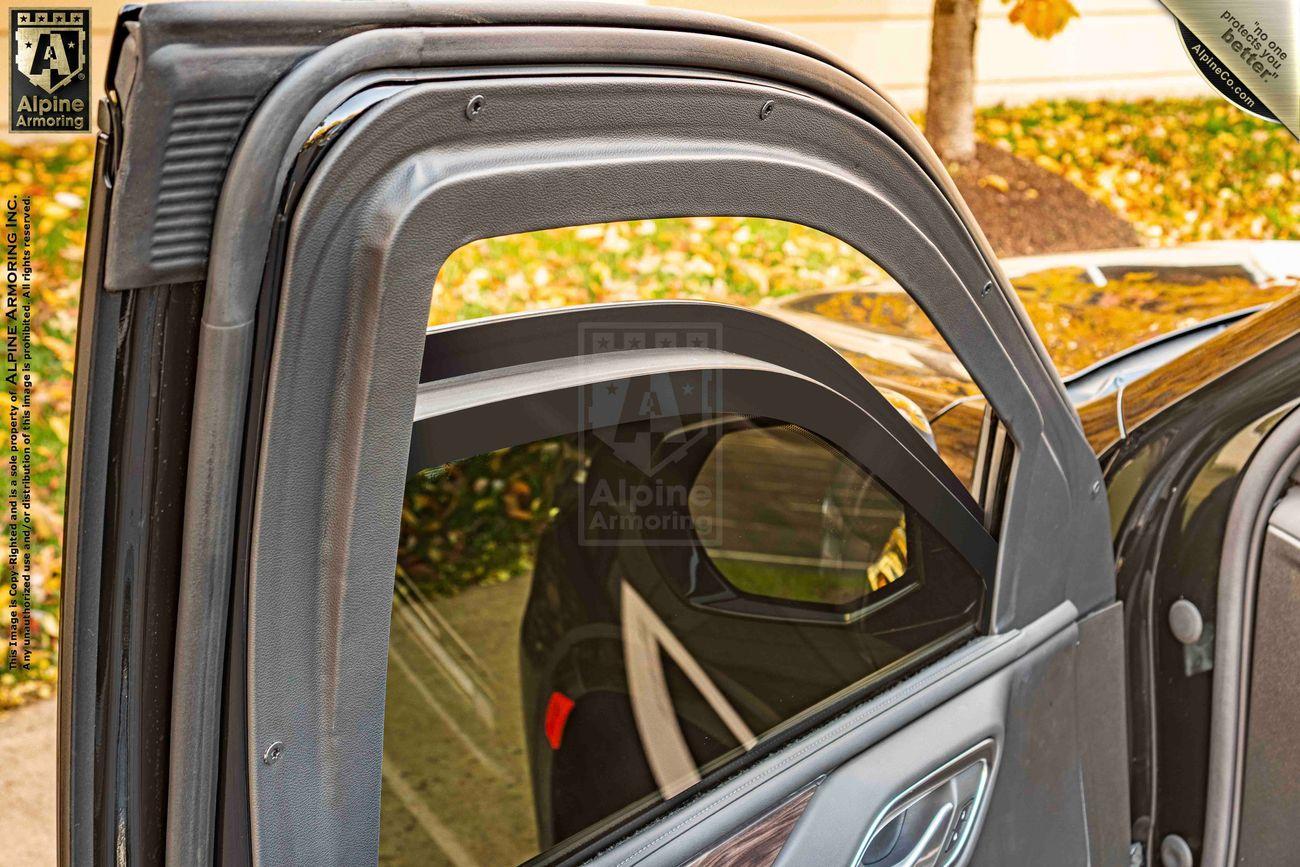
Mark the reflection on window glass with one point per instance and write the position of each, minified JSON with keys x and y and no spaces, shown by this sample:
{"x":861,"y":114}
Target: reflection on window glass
{"x":806,"y":277}
{"x":1086,"y":315}
{"x":803,"y":524}
{"x":586,"y":625}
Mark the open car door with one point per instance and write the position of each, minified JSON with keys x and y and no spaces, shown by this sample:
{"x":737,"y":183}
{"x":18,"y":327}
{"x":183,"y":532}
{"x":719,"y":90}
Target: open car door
{"x":761,"y":621}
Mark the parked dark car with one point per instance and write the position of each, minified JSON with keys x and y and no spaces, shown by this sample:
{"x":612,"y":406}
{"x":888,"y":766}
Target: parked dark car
{"x":656,"y":581}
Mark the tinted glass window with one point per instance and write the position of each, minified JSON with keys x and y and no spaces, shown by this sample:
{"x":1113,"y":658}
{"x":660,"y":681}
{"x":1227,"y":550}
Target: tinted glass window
{"x":802,"y":523}
{"x":586,"y":626}
{"x":806,"y":277}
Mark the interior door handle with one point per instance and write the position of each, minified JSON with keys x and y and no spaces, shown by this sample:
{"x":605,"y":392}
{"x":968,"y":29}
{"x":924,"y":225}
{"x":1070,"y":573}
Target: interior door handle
{"x":928,"y":847}
{"x":930,"y":824}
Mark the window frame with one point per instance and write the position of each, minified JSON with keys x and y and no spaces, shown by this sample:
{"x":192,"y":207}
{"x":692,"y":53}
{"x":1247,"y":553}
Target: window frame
{"x":409,"y":201}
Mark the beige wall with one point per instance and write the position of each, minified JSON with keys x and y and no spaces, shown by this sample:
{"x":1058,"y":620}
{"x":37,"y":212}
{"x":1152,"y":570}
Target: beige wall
{"x":1116,"y":48}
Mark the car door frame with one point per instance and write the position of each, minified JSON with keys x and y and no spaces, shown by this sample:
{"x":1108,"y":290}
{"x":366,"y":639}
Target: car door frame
{"x":434,"y":199}
{"x":1055,"y":482}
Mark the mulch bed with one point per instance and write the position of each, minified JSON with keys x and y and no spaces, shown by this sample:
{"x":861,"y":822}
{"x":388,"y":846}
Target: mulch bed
{"x":1025,"y":209}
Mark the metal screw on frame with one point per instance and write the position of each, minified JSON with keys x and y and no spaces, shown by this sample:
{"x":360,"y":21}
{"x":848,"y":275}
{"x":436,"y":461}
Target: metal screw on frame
{"x":767,"y":109}
{"x":475,"y":106}
{"x":272,"y":754}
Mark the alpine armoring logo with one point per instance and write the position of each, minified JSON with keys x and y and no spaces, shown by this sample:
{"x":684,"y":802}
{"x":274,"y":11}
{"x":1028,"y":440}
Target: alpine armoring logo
{"x":49,"y":82}
{"x":644,"y":434}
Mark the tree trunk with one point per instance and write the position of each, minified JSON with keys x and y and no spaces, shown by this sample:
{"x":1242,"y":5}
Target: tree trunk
{"x":950,"y":91}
